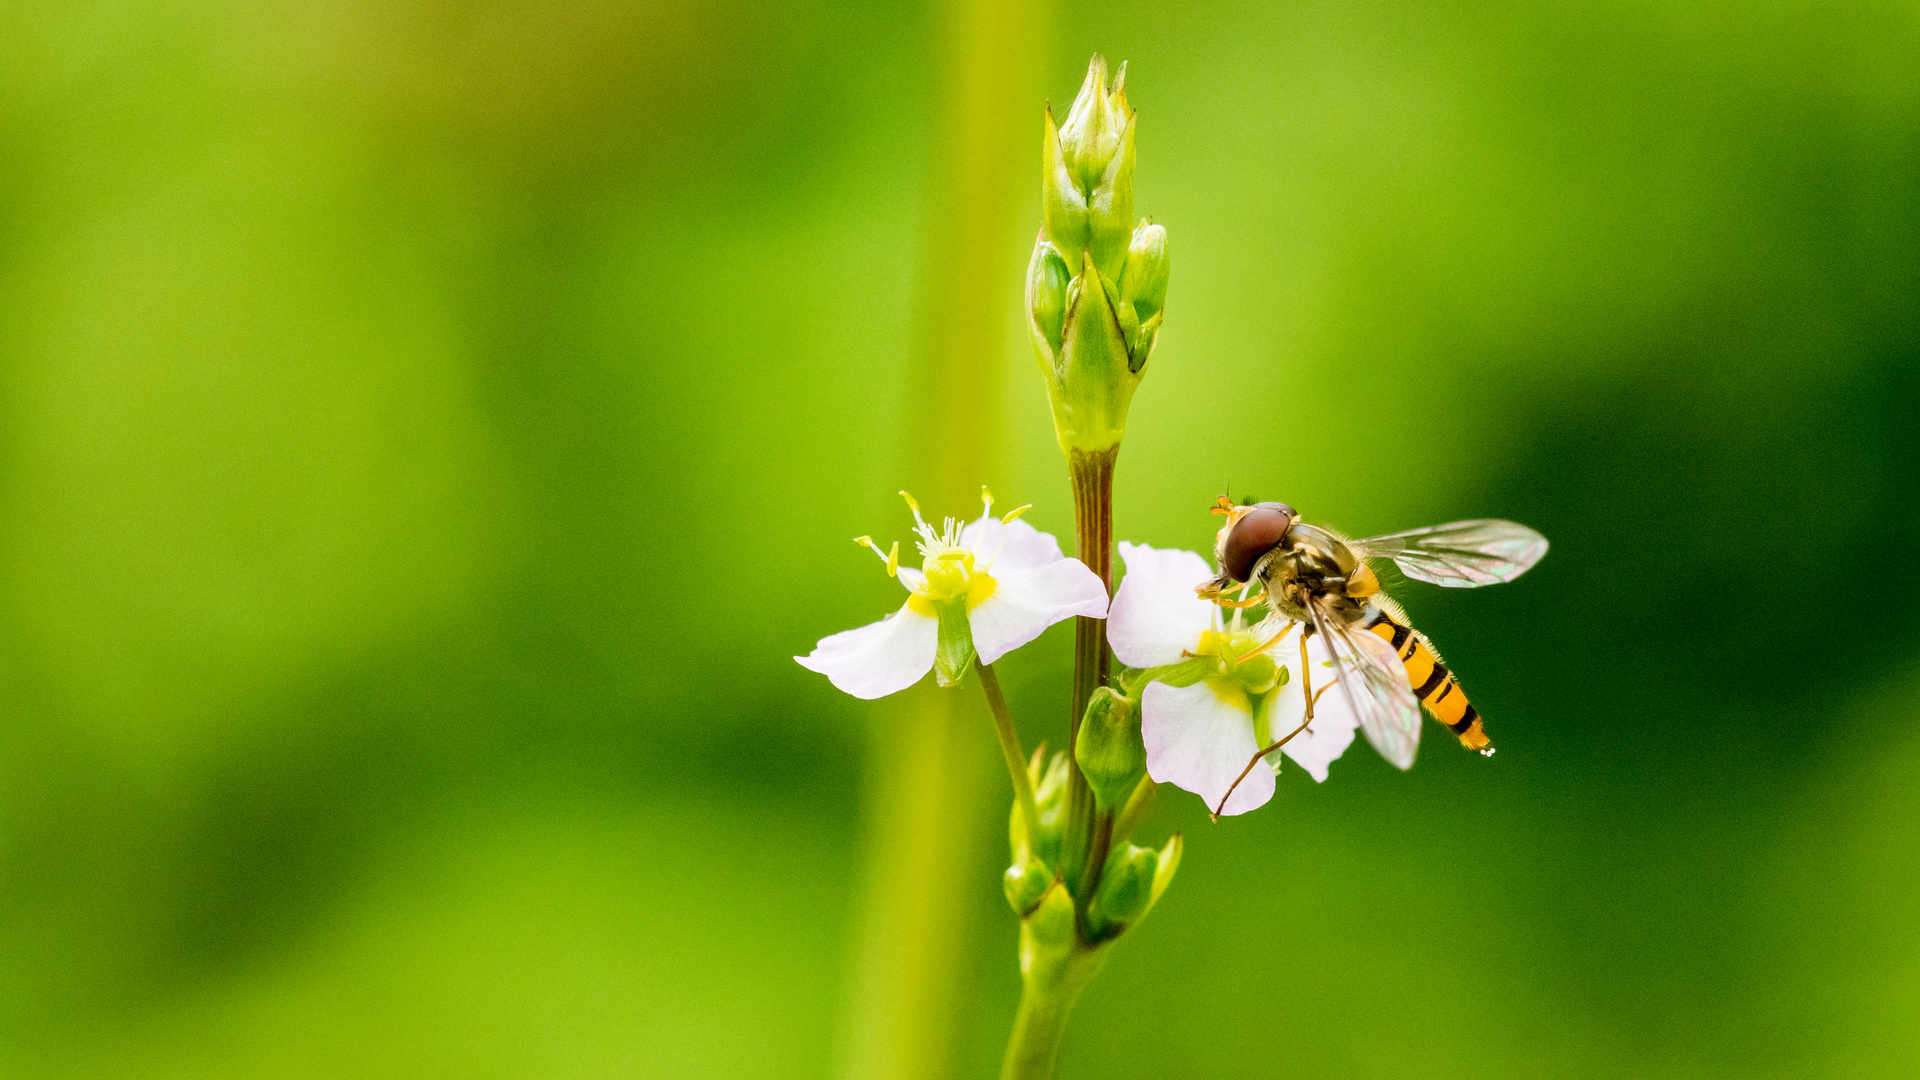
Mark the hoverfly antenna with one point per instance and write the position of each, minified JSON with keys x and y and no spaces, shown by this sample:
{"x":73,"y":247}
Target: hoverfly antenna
{"x":1221,"y":505}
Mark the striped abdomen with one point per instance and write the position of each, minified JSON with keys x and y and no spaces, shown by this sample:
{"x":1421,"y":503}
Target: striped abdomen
{"x":1433,"y":684}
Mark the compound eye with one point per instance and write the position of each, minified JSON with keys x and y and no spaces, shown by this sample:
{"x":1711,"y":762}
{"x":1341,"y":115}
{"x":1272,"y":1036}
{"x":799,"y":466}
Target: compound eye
{"x":1280,"y":506}
{"x":1255,"y":534}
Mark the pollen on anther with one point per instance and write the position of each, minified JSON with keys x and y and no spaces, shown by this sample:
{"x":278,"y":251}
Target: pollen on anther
{"x":1008,"y":520}
{"x":891,"y":558}
{"x":914,"y":505}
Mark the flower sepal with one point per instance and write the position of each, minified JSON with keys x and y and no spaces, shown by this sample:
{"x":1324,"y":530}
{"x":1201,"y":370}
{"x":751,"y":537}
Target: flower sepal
{"x":954,"y":653}
{"x":1036,"y":846}
{"x":1134,"y":879}
{"x":1109,"y":750}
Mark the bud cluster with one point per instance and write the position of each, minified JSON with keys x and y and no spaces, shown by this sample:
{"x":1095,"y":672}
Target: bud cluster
{"x":1134,"y":876}
{"x":1097,"y":282}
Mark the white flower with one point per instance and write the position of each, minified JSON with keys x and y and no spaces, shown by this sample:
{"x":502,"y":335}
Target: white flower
{"x":1201,"y":736}
{"x":984,"y":589}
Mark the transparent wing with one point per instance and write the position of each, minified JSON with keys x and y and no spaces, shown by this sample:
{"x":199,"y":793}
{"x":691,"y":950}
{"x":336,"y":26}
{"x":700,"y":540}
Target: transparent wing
{"x":1374,"y":683}
{"x":1459,"y":554}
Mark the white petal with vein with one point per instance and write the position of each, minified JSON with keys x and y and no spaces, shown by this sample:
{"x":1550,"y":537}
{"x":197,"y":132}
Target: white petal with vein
{"x":1022,"y":606}
{"x":1156,"y":617}
{"x":1200,"y":740}
{"x":879,"y":658}
{"x":1011,"y":548}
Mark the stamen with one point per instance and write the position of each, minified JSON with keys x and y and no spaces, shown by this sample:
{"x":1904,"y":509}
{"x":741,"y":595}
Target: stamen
{"x":986,"y":498}
{"x":1268,"y":644}
{"x":1002,"y":545}
{"x":891,"y":558}
{"x":915,"y":507}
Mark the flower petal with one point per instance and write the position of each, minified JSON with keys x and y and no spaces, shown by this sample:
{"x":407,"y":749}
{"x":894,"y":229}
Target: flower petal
{"x":1156,"y":617}
{"x":1201,"y":740}
{"x":880,"y":658}
{"x":1333,"y":719}
{"x":1010,"y":548}
{"x":1022,"y":606}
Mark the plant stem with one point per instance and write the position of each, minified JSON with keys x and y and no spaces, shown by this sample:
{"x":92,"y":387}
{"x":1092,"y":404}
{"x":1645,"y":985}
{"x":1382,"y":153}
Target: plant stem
{"x":1041,"y":1022}
{"x":1092,"y":476}
{"x":1010,"y":745}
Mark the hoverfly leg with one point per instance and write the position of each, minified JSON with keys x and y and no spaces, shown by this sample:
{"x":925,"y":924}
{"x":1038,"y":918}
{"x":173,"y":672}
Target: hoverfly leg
{"x":1215,"y":589}
{"x":1306,"y":691}
{"x":1254,"y":601}
{"x":1306,"y":675}
{"x":1263,"y":646}
{"x":1214,"y":815}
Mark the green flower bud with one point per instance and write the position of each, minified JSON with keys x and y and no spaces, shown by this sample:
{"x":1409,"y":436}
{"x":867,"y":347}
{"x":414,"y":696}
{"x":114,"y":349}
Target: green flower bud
{"x":1036,"y":846}
{"x":1090,"y":379}
{"x":1025,"y":883}
{"x":1063,"y":201}
{"x":1050,"y":793}
{"x":1051,"y":923}
{"x":1144,"y":283}
{"x":1143,"y":341}
{"x":1097,"y":282}
{"x":1109,"y":749}
{"x":1096,"y":123}
{"x":1125,"y":893}
{"x":1087,"y":172}
{"x":1048,"y":282}
{"x":1052,"y":959}
{"x":1143,"y":291}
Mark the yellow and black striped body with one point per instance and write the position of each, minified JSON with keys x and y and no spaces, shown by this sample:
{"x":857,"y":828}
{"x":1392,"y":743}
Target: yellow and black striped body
{"x":1433,"y":684}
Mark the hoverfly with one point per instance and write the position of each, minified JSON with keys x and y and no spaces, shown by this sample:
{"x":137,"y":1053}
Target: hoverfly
{"x":1313,"y":576}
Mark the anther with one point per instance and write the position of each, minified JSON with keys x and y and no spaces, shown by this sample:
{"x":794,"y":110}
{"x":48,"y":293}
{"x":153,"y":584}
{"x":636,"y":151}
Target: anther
{"x":891,"y":558}
{"x":915,"y":507}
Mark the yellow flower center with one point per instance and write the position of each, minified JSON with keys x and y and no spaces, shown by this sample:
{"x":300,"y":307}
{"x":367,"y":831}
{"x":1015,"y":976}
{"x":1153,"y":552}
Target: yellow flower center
{"x":951,"y":577}
{"x":1242,"y":657}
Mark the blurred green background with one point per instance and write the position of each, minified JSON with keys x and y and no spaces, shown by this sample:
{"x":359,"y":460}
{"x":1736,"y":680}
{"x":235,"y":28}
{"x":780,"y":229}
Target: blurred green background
{"x":428,"y":428}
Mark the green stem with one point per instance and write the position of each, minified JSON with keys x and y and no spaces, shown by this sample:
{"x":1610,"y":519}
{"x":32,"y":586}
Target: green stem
{"x":1041,"y":1022}
{"x":1092,"y":476}
{"x":1010,"y":745}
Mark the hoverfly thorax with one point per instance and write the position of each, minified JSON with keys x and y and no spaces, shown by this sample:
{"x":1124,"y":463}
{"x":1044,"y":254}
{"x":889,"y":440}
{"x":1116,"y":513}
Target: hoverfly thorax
{"x":1312,"y":562}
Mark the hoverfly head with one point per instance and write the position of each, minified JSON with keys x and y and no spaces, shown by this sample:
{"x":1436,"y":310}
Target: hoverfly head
{"x":1251,"y":532}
